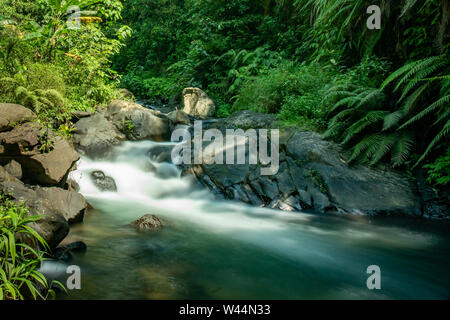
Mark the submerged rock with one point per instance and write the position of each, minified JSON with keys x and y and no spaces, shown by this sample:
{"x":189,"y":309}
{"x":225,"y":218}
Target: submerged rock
{"x":103,"y":182}
{"x":148,"y":222}
{"x":64,"y":253}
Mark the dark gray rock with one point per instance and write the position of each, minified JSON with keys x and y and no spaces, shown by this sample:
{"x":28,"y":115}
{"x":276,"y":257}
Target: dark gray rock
{"x":65,"y":253}
{"x":103,"y":182}
{"x":313,"y":174}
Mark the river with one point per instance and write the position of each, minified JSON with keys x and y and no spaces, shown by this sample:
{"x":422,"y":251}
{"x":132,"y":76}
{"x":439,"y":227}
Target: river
{"x":211,"y":249}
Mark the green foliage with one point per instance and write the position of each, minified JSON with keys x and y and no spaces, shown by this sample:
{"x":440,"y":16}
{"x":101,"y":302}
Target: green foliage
{"x":20,"y":254}
{"x":439,"y":171}
{"x":40,"y":88}
{"x":153,"y":88}
{"x":52,"y":67}
{"x":418,"y":83}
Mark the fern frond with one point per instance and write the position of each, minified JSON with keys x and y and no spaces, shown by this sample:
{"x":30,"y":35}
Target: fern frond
{"x":443,"y":133}
{"x":362,"y":146}
{"x":370,"y":118}
{"x":392,"y":119}
{"x":402,"y":149}
{"x":433,"y":107}
{"x":383,"y":148}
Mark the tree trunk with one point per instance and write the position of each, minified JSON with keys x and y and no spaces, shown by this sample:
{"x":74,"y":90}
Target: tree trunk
{"x":443,"y":26}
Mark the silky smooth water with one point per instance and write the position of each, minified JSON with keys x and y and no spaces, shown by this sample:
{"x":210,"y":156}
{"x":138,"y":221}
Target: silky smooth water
{"x":210,"y":249}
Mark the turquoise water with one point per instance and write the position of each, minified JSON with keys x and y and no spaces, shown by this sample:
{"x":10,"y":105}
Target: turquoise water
{"x":225,"y":250}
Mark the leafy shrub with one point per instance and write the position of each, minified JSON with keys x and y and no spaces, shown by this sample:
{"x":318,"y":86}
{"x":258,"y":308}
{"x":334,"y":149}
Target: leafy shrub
{"x":294,"y":91}
{"x":44,"y":77}
{"x":439,"y":171}
{"x":20,"y":254}
{"x":40,"y":88}
{"x":375,"y":127}
{"x":153,"y":88}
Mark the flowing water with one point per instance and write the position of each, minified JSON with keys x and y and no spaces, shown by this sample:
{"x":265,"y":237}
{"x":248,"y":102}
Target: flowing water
{"x":211,"y":249}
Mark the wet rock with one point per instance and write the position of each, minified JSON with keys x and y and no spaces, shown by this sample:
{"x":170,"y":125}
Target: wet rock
{"x":64,"y":253}
{"x":103,"y":182}
{"x":196,"y":103}
{"x":313,"y":174}
{"x":77,"y":115}
{"x":166,"y":171}
{"x":148,"y":222}
{"x":161,"y":153}
{"x":14,"y":114}
{"x":52,"y":226}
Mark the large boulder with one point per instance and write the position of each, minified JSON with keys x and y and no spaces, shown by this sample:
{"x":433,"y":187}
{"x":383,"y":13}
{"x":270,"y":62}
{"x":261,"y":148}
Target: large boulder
{"x":138,"y":122}
{"x":196,"y":103}
{"x":354,"y":189}
{"x":13,"y":114}
{"x":312,"y":175}
{"x":46,"y":158}
{"x":95,"y":135}
{"x":52,"y":226}
{"x":72,"y":205}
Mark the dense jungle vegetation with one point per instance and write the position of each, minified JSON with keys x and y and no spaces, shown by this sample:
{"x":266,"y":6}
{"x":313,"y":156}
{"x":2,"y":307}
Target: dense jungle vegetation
{"x":383,"y":94}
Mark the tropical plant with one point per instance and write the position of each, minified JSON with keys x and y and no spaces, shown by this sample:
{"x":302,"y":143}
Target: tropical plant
{"x":359,"y":119}
{"x":439,"y":171}
{"x":418,"y":83}
{"x":21,"y":254}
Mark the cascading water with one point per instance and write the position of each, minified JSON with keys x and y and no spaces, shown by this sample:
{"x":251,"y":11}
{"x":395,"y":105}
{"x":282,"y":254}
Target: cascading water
{"x":211,"y":249}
